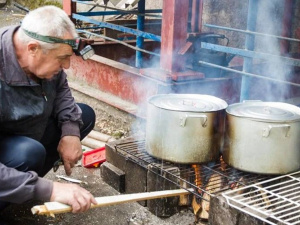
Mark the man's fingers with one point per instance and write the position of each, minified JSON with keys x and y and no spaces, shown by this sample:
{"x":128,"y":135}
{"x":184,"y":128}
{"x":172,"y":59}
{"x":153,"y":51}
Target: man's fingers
{"x":76,"y":208}
{"x":77,"y":197}
{"x":85,"y":204}
{"x":68,"y":169}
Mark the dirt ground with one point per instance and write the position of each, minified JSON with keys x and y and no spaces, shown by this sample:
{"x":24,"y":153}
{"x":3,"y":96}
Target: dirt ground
{"x":129,"y":213}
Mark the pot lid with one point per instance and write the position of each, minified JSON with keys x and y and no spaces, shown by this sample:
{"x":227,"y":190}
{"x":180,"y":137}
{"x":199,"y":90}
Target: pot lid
{"x":188,"y":102}
{"x":265,"y":111}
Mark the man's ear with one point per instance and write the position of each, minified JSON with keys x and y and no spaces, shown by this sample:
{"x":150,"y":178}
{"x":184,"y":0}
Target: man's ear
{"x":33,"y":47}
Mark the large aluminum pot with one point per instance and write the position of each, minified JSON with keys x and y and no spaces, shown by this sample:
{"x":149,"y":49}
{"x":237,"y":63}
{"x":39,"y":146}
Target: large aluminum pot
{"x":185,"y":128}
{"x":263,"y":137}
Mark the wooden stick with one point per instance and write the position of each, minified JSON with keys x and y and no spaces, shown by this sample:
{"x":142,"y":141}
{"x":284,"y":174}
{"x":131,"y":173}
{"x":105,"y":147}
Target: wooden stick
{"x":51,"y":208}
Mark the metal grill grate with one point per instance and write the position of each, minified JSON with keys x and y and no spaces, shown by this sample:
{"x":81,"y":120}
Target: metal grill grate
{"x":210,"y":178}
{"x":274,"y":200}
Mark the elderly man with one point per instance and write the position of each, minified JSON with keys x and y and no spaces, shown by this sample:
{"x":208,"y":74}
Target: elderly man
{"x":39,"y":119}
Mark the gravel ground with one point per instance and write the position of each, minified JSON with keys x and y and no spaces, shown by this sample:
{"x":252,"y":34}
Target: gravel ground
{"x":10,"y":15}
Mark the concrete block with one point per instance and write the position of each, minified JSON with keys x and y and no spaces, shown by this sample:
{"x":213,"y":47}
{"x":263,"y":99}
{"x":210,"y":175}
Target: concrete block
{"x":136,"y":179}
{"x":136,"y":175}
{"x":163,"y":207}
{"x":220,"y":213}
{"x":113,"y":157}
{"x":247,"y":219}
{"x":113,"y":176}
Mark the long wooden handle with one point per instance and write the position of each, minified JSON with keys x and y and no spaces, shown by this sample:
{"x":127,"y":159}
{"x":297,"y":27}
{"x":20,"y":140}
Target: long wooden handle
{"x":51,"y":208}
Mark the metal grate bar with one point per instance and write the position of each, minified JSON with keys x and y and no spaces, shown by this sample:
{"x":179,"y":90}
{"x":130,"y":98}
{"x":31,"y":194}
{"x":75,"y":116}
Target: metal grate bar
{"x":278,"y":198}
{"x":211,"y":178}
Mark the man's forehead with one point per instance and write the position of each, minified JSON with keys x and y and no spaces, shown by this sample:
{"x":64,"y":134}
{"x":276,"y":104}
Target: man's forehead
{"x":63,"y":50}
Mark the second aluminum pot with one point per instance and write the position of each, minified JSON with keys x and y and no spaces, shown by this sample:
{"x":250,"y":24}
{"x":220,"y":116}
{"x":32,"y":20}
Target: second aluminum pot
{"x":185,"y":128}
{"x":263,"y":137}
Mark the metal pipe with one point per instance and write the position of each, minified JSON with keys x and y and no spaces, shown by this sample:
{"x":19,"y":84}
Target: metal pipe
{"x":249,"y":45}
{"x":248,"y":74}
{"x":140,"y":40}
{"x":118,"y":27}
{"x":109,"y":13}
{"x":21,"y":7}
{"x":251,"y":54}
{"x":251,"y":32}
{"x":120,"y":42}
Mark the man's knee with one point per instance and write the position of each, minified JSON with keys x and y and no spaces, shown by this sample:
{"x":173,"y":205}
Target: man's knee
{"x":22,"y":153}
{"x":88,"y":119}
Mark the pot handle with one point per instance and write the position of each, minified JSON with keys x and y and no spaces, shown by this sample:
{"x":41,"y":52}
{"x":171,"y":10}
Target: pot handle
{"x":202,"y":117}
{"x":266,"y":131}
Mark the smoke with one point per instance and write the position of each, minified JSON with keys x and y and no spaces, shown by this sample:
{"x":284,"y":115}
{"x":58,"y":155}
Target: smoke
{"x":269,"y":21}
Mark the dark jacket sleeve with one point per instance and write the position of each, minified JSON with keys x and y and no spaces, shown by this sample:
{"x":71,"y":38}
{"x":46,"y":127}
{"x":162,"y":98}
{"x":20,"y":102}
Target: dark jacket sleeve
{"x":66,"y":110}
{"x":18,"y":187}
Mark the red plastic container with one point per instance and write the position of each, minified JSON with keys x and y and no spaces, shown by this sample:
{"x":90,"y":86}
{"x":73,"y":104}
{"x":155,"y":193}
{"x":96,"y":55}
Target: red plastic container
{"x":93,"y":158}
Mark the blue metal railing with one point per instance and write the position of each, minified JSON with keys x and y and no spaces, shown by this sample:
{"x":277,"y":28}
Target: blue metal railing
{"x":117,"y":27}
{"x":139,"y":39}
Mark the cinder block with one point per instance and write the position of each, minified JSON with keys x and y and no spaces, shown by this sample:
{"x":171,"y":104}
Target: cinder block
{"x":113,"y":157}
{"x":136,"y":179}
{"x":113,"y":176}
{"x":163,"y":207}
{"x":136,"y":175}
{"x":247,"y":219}
{"x":220,"y":213}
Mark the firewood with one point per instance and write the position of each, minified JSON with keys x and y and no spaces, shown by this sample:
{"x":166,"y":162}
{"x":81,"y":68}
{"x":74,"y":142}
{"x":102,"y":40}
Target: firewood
{"x":196,"y":207}
{"x":92,"y":143}
{"x":51,"y":208}
{"x":214,"y":184}
{"x":183,"y":199}
{"x":100,"y":136}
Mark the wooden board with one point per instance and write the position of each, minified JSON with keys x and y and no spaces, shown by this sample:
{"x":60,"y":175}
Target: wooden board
{"x":51,"y":208}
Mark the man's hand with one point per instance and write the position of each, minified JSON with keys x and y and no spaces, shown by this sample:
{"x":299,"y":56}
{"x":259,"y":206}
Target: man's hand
{"x":70,"y":151}
{"x":71,"y":194}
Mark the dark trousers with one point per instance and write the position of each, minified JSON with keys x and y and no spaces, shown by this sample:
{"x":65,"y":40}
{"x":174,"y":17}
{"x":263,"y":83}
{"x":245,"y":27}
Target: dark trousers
{"x":26,"y":154}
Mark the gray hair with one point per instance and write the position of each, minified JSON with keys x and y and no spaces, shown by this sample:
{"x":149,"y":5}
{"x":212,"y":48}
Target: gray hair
{"x":48,"y":21}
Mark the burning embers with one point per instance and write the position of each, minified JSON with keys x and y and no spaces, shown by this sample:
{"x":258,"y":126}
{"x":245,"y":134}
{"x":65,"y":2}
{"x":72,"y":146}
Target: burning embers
{"x":209,"y":182}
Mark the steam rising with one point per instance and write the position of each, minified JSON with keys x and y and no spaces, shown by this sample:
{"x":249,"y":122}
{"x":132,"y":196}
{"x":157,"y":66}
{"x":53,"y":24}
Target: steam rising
{"x":269,"y":21}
